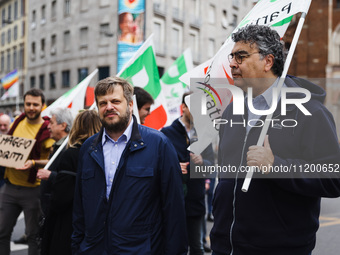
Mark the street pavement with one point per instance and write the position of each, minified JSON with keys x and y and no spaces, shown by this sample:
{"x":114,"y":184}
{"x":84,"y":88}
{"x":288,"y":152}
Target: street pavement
{"x":327,"y":237}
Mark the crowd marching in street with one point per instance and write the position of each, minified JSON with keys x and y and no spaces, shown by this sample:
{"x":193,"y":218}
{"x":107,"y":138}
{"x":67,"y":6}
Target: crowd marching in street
{"x":120,"y":187}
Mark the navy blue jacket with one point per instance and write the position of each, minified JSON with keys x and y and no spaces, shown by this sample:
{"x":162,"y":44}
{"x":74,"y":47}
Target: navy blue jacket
{"x":277,"y":216}
{"x":195,"y":198}
{"x":145,"y":211}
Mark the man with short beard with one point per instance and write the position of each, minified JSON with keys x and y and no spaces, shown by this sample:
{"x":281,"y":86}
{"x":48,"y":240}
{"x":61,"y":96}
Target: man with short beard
{"x":21,"y":191}
{"x":128,"y":197}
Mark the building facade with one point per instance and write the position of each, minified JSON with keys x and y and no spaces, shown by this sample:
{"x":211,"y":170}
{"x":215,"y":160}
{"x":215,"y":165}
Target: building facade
{"x":65,"y":40}
{"x":13,"y":33}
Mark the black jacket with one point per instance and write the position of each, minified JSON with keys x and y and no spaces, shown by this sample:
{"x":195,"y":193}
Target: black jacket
{"x":277,"y":216}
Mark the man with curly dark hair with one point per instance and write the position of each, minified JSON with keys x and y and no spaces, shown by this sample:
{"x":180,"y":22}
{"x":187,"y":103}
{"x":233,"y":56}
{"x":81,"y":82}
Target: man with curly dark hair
{"x":277,"y":216}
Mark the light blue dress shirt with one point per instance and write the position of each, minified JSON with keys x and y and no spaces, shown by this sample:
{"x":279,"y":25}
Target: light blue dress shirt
{"x":262,"y":102}
{"x":113,"y":151}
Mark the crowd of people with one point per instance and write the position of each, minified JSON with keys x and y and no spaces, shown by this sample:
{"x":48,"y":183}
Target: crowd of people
{"x":120,"y":187}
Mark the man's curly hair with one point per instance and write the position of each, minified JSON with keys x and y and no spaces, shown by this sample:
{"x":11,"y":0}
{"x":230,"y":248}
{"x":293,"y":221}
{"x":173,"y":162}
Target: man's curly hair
{"x":267,"y":41}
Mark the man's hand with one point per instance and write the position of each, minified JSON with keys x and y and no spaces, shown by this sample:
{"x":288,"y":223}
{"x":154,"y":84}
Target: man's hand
{"x":43,"y":174}
{"x":261,"y":155}
{"x":197,"y":159}
{"x":184,"y":167}
{"x":28,"y":164}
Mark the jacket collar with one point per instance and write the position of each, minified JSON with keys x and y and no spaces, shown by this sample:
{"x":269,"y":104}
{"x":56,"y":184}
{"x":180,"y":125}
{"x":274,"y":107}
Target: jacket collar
{"x":136,"y":138}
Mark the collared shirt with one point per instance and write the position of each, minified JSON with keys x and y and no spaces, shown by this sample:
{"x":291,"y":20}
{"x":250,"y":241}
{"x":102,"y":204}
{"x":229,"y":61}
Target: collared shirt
{"x":192,"y":135}
{"x":113,"y":151}
{"x":261,"y":102}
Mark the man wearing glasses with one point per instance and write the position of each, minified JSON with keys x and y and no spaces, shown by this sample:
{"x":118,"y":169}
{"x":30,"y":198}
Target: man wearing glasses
{"x":277,"y":216}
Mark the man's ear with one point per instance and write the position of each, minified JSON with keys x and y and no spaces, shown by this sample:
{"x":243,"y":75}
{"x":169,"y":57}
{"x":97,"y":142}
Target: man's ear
{"x":269,"y":62}
{"x":64,"y":125}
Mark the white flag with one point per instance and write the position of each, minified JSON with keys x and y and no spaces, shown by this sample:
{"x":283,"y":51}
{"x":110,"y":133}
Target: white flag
{"x":13,"y":91}
{"x":274,"y":13}
{"x":73,"y":99}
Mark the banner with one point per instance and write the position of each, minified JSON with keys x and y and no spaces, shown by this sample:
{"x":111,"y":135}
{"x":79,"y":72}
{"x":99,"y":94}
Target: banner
{"x":172,"y":87}
{"x":142,"y":71}
{"x":131,"y":23}
{"x":74,"y":98}
{"x":274,"y":13}
{"x":14,"y":151}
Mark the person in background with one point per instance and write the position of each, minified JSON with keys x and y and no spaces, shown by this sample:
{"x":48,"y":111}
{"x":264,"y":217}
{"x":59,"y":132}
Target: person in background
{"x":144,"y":102}
{"x":182,"y":133}
{"x":59,"y":127}
{"x":5,"y":122}
{"x":128,"y":196}
{"x":21,"y":191}
{"x":279,"y":214}
{"x":58,"y":225}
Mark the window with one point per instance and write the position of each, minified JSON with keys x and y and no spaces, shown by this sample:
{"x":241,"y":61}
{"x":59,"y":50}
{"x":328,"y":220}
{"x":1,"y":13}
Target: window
{"x":52,"y":81}
{"x":23,"y":28}
{"x":224,"y":19}
{"x":43,"y":15}
{"x":65,"y":79}
{"x":15,"y":10}
{"x":159,"y":35}
{"x":8,"y":60}
{"x":103,"y":72}
{"x":177,"y":8}
{"x":67,"y":41}
{"x":176,"y":36}
{"x":104,"y":34}
{"x":83,"y":37}
{"x":194,"y":44}
{"x":3,"y":38}
{"x":211,"y":48}
{"x":53,"y":44}
{"x":42,"y":82}
{"x":34,"y":17}
{"x":15,"y":33}
{"x":9,"y":12}
{"x":2,"y":64}
{"x":196,"y":7}
{"x":82,"y":74}
{"x":9,"y":35}
{"x":33,"y":50}
{"x":211,"y":14}
{"x":67,"y":7}
{"x":42,"y":48}
{"x":15,"y":57}
{"x":22,"y":8}
{"x":3,"y":17}
{"x":54,"y":10}
{"x":234,"y":24}
{"x":32,"y":82}
{"x":21,"y":56}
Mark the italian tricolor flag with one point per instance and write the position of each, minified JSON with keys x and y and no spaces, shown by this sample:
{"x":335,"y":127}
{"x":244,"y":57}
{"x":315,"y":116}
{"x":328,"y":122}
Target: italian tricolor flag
{"x":141,"y":71}
{"x":73,"y":99}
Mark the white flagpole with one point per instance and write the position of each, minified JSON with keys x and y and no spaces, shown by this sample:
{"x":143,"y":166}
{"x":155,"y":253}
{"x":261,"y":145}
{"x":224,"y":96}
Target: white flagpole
{"x":264,"y":130}
{"x":56,"y":154}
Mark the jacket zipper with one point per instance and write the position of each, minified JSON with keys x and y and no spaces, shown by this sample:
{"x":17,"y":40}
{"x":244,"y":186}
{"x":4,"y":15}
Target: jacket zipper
{"x":235,"y":187}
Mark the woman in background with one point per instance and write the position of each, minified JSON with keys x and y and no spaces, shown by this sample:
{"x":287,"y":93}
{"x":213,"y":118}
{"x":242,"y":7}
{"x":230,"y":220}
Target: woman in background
{"x":57,"y":234}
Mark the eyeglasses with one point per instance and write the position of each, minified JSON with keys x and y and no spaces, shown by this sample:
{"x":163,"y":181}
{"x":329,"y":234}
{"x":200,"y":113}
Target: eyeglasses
{"x":239,"y":56}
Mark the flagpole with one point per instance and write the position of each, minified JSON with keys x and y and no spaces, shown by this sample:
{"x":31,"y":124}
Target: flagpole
{"x":17,"y":103}
{"x":265,"y":128}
